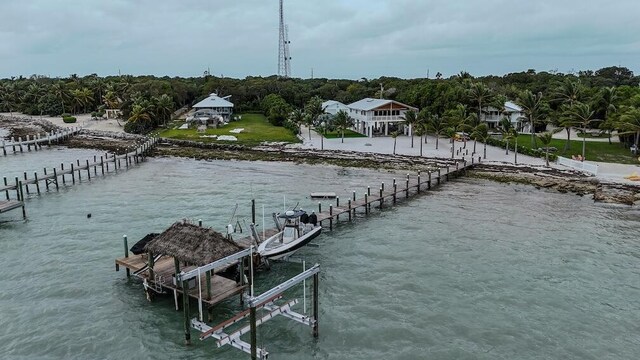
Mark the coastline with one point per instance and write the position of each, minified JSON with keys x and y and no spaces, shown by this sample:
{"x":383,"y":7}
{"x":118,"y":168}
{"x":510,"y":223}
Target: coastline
{"x":539,"y":176}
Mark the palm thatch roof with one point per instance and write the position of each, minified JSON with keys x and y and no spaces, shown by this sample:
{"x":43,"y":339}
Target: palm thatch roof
{"x":192,"y":244}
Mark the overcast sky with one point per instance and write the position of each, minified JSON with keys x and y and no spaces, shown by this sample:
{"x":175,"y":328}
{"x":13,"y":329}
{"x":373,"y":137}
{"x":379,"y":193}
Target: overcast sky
{"x":337,"y":38}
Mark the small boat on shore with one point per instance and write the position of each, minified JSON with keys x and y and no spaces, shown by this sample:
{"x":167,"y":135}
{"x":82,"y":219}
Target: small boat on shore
{"x":297,"y":231}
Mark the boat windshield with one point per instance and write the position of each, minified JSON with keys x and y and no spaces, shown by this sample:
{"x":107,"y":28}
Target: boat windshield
{"x":289,"y":234}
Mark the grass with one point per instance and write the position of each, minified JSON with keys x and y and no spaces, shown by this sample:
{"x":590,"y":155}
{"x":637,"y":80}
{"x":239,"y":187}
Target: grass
{"x":256,"y":130}
{"x":595,"y":151}
{"x":347,"y":134}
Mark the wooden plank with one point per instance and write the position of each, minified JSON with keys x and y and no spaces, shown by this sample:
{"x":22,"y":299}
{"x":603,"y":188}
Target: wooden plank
{"x":8,"y":205}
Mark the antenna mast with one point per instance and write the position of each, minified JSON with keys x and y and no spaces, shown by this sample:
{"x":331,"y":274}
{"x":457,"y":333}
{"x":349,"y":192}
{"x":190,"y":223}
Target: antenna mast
{"x":284,"y":58}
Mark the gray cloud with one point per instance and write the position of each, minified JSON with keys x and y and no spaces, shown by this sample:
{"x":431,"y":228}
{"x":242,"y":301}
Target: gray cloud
{"x":338,"y":38}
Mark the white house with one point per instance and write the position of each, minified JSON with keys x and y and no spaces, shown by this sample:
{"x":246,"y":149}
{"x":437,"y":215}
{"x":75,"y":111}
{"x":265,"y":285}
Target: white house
{"x":379,"y":116}
{"x":332,"y":107}
{"x":219,"y":105}
{"x":513,"y":112}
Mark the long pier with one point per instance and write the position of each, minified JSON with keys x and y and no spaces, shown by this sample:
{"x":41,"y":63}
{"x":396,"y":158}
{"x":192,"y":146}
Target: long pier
{"x":36,"y":142}
{"x":51,"y":177}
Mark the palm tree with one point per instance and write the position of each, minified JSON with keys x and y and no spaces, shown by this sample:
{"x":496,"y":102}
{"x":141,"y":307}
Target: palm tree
{"x":421,"y":131}
{"x":437,"y":125}
{"x":530,"y":104}
{"x":423,"y":120}
{"x":451,"y":134}
{"x":506,"y":129}
{"x":164,"y":107}
{"x":410,"y":118}
{"x":630,"y":123}
{"x":60,"y":92}
{"x":313,"y":109}
{"x":342,"y":121}
{"x":86,"y":97}
{"x":608,"y":98}
{"x":481,"y":96}
{"x":545,"y":138}
{"x":394,"y":135}
{"x":297,"y":117}
{"x":481,"y":132}
{"x":583,"y":116}
{"x":568,"y":93}
{"x":514,"y":135}
{"x":460,"y":120}
{"x":139,"y":113}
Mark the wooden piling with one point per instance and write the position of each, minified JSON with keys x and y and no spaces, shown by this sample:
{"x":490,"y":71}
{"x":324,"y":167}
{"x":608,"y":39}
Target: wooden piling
{"x":439,"y":174}
{"x":73,"y":174}
{"x":319,"y":207}
{"x":35,"y":176}
{"x":395,"y":191}
{"x":102,"y":164}
{"x":17,"y":189}
{"x":330,"y":217}
{"x":253,"y":328}
{"x":126,"y":251}
{"x":4,"y":178}
{"x":253,"y":211}
{"x":21,"y":192}
{"x":418,"y":182}
{"x":26,"y":184}
{"x":366,"y":204}
{"x":447,"y":174}
{"x":88,"y":170}
{"x":55,"y":178}
{"x":429,"y":180}
{"x":46,"y":181}
{"x":349,"y":202}
{"x":381,"y":198}
{"x":185,"y":308}
{"x":354,"y":195}
{"x":4,"y":150}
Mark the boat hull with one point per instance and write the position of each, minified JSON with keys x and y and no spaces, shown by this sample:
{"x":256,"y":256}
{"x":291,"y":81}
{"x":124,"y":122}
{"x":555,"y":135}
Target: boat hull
{"x":286,"y":250}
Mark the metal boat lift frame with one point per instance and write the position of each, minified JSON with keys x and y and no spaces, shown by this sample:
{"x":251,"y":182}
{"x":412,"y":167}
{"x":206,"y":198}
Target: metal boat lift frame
{"x":264,"y":301}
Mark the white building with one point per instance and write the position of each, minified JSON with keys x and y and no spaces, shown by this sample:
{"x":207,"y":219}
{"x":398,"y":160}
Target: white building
{"x":332,"y":107}
{"x":379,"y":116}
{"x":219,"y":105}
{"x":513,"y":112}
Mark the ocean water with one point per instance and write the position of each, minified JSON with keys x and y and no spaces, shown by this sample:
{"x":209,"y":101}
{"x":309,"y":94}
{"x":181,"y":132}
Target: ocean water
{"x":472,"y":270}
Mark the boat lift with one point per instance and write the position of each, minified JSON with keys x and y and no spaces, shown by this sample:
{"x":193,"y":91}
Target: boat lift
{"x":265,"y":302}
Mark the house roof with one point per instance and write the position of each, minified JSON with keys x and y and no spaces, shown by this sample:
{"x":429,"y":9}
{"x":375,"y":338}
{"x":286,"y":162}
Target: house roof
{"x":213,"y":101}
{"x":192,"y":244}
{"x":333,"y":103}
{"x":370,"y":104}
{"x":510,"y":106}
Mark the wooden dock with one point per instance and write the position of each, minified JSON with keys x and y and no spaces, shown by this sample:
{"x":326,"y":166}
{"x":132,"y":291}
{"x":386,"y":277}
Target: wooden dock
{"x":19,"y":146}
{"x":6,"y":206}
{"x":220,"y":289}
{"x":390,"y":194}
{"x":51,"y":177}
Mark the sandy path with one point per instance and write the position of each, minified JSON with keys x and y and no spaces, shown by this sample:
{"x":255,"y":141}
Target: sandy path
{"x":84,"y":121}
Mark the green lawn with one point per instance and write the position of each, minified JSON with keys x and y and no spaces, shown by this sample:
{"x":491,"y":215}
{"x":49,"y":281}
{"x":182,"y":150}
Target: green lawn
{"x":256,"y":130}
{"x":595,"y":151}
{"x":347,"y":134}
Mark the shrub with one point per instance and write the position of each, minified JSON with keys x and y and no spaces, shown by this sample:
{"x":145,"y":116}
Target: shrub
{"x":521,"y":149}
{"x":69,"y":119}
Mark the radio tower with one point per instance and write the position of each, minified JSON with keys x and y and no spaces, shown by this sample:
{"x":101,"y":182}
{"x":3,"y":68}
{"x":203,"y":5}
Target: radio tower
{"x":284,"y":59}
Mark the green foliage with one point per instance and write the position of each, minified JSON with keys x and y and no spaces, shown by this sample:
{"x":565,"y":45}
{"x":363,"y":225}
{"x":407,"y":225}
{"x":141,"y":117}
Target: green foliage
{"x":69,"y":119}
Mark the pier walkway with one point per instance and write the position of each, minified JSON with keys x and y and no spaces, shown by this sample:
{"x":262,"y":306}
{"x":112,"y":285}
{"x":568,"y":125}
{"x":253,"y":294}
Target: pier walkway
{"x":19,"y":146}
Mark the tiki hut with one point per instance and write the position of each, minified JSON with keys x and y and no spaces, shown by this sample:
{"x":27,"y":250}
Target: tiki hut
{"x":192,"y":244}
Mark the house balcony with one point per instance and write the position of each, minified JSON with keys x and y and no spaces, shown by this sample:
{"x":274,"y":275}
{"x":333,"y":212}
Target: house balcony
{"x":390,"y":118}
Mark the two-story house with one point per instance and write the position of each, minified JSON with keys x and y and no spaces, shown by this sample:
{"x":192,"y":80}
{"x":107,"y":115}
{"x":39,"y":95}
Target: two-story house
{"x":379,"y":116}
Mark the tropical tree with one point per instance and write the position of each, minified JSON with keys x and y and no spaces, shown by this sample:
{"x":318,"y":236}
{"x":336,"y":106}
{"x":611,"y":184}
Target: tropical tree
{"x":607,"y":100}
{"x":584,"y":117}
{"x":139,"y":113}
{"x":545,"y":138}
{"x":411,"y":119}
{"x":481,"y":96}
{"x":59,"y":90}
{"x":423,"y":121}
{"x":394,"y":135}
{"x":437,"y":125}
{"x":313,"y":109}
{"x":460,"y":120}
{"x":630,"y":123}
{"x":342,"y":121}
{"x":530,"y":104}
{"x":451,"y":134}
{"x":568,"y":93}
{"x":506,"y":129}
{"x":297,"y":117}
{"x":164,"y":107}
{"x":421,"y":131}
{"x":481,"y":132}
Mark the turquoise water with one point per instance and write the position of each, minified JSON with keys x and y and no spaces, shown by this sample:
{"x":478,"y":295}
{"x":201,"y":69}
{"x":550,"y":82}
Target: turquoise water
{"x":473,"y":270}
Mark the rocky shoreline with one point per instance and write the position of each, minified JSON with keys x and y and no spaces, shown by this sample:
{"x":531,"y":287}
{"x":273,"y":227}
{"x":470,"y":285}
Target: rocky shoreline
{"x":564,"y":181}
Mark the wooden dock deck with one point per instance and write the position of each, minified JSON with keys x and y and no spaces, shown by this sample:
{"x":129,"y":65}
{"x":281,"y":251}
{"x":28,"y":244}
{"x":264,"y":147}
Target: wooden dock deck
{"x":6,"y":206}
{"x":164,"y":274}
{"x":52,"y":177}
{"x":18,"y":146}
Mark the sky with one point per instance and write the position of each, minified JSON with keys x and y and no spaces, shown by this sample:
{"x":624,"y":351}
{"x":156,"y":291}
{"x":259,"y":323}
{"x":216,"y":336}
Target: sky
{"x":336,"y":38}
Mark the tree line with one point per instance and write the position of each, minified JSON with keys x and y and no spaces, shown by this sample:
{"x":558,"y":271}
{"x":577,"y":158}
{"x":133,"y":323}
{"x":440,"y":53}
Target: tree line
{"x":608,"y":98}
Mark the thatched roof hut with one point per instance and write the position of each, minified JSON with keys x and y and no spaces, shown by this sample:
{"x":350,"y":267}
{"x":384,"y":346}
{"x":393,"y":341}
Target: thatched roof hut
{"x":192,"y":244}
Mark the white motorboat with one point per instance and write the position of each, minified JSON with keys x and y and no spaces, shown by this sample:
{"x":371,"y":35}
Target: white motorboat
{"x":294,"y":235}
